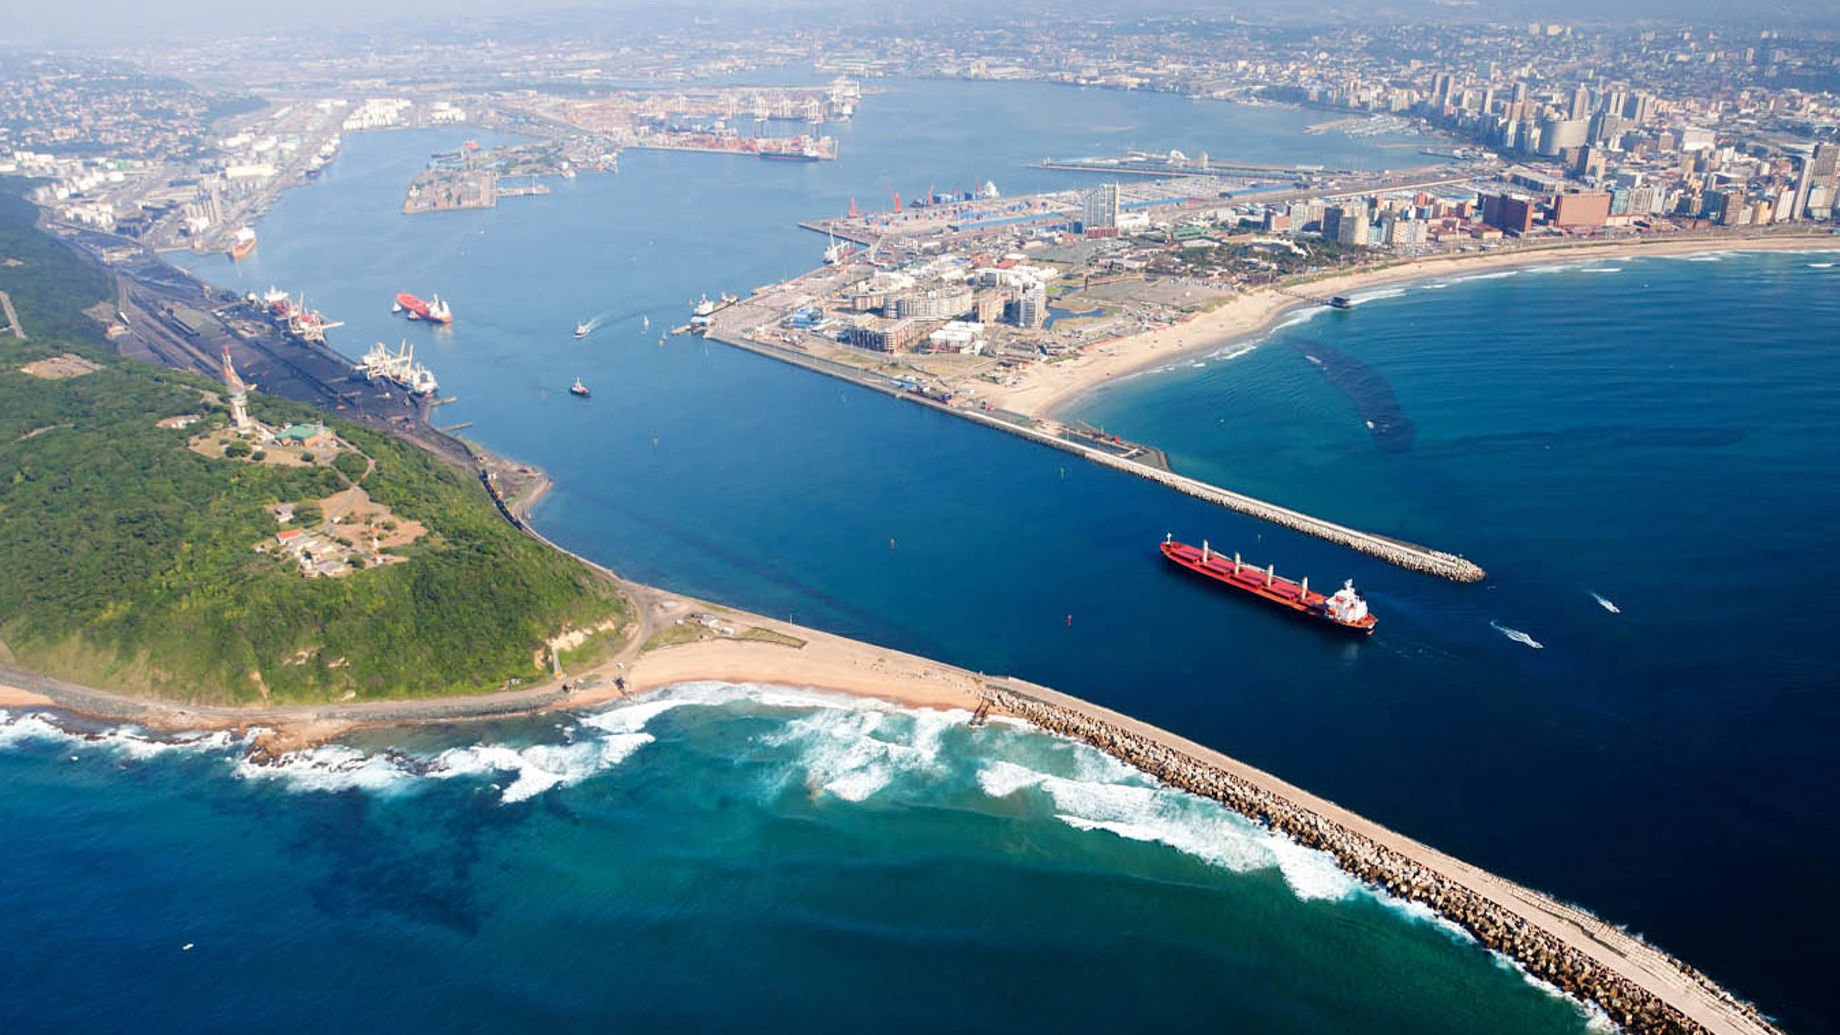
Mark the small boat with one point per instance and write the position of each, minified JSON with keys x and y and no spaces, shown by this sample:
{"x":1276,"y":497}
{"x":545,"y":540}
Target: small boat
{"x":581,"y":330}
{"x":645,"y":322}
{"x":579,"y":389}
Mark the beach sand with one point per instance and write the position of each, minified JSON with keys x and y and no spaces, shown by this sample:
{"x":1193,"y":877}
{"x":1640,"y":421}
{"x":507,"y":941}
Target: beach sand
{"x":1044,"y":388}
{"x":14,"y":697}
{"x":821,"y":661}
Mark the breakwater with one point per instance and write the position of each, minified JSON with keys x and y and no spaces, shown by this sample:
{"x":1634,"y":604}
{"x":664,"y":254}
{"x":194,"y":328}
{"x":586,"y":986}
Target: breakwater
{"x":1410,"y":556}
{"x":1639,"y":987}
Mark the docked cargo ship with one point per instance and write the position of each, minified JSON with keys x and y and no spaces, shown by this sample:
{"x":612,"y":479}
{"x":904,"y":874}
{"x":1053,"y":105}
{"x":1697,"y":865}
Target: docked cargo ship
{"x":1345,"y":608}
{"x":434,"y":310}
{"x":243,"y":243}
{"x":291,"y":316}
{"x":399,"y":368}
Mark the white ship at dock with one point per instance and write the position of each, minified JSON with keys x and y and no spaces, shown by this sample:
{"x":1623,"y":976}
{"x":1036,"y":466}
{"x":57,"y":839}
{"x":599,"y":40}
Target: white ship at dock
{"x":399,"y":368}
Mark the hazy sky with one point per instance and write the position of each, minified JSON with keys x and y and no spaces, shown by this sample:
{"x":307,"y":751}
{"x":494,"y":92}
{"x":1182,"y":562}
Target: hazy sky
{"x":117,"y":21}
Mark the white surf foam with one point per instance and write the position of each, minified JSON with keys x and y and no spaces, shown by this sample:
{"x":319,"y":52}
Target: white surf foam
{"x":1139,"y":811}
{"x":853,"y":753}
{"x":1232,"y":352}
{"x":1497,"y":275}
{"x":331,"y":767}
{"x":126,"y":741}
{"x":1376,"y":295}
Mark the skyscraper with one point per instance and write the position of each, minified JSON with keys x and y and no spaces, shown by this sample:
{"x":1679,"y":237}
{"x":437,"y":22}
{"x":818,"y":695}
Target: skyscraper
{"x":1099,"y":208}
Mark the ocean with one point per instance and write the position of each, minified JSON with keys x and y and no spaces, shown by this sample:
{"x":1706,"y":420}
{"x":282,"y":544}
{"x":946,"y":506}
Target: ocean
{"x":718,"y":858}
{"x":1659,"y":432}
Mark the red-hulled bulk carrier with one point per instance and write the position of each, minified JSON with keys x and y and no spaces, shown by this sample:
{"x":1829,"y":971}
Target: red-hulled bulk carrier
{"x":433,"y":310}
{"x":1344,"y":608}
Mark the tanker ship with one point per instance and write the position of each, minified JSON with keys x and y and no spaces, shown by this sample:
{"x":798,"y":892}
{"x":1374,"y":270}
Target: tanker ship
{"x":1345,"y":608}
{"x":433,"y":310}
{"x":242,"y":244}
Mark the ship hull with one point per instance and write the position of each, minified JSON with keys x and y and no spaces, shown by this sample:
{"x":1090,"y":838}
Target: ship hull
{"x":416,"y":309}
{"x":241,"y":249}
{"x":1252,"y":581}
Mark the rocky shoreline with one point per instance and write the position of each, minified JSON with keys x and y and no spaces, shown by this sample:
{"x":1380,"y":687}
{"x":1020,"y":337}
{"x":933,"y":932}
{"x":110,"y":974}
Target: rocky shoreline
{"x":1492,"y":918}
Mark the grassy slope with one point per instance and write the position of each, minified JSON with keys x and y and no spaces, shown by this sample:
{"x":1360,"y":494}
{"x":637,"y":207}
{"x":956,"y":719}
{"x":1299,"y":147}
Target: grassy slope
{"x":128,"y":559}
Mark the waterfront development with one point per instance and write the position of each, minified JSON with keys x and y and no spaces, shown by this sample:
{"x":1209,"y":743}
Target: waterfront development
{"x":742,"y":534}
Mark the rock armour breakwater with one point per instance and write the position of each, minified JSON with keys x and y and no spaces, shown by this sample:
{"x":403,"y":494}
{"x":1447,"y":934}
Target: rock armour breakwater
{"x":1639,"y":987}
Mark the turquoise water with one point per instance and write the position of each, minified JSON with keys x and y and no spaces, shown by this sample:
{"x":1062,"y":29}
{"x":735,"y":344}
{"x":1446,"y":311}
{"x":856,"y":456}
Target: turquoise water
{"x":1663,"y":436}
{"x":724,"y":858}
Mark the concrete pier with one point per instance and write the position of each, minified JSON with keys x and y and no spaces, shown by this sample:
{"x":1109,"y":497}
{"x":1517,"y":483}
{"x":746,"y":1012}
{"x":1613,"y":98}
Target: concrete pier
{"x":1406,"y":555}
{"x":1641,"y":988}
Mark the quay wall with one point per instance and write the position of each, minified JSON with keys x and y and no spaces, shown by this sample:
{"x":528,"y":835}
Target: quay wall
{"x":1642,"y":989}
{"x":1405,"y":555}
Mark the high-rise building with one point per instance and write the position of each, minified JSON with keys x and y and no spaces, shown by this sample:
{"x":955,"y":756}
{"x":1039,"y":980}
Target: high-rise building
{"x":1558,"y":134}
{"x":1440,"y":89}
{"x":1031,"y":305}
{"x":1576,"y":210}
{"x":1099,"y":208}
{"x":1354,"y":228}
{"x":1510,"y":213}
{"x":1581,"y":102}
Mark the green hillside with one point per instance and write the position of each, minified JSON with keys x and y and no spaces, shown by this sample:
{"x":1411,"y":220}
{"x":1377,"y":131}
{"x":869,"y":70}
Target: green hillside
{"x":131,"y":558}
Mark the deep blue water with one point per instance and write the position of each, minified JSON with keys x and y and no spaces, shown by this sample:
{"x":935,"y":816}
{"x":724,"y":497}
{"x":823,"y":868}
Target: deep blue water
{"x":1663,"y":435}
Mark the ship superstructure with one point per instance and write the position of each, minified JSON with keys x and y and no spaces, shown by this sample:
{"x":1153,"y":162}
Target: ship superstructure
{"x":292,"y":315}
{"x":242,"y":243}
{"x":398,"y":368}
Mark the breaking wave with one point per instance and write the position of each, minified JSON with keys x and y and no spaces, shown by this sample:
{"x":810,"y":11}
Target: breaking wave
{"x":853,"y":753}
{"x":1123,"y":802}
{"x":126,"y":741}
{"x":1375,"y":295}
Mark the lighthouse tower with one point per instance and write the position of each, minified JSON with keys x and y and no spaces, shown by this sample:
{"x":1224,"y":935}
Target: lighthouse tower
{"x":239,"y":394}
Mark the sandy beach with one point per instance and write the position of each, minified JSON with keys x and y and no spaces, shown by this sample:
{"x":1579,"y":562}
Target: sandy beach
{"x":14,"y":697}
{"x":824,"y":663}
{"x":1045,"y":388}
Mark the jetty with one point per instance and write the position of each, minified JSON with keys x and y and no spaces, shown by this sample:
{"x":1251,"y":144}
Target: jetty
{"x":1332,"y":301}
{"x":1641,"y":988}
{"x":1140,"y":462}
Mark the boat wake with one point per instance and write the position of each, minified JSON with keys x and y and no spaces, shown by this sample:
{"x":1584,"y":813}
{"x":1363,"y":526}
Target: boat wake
{"x":1517,"y":636}
{"x":1604,"y":603}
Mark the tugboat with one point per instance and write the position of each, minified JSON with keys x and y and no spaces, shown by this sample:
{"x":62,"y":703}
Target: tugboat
{"x":1345,"y":608}
{"x":581,"y":330}
{"x":579,"y":389}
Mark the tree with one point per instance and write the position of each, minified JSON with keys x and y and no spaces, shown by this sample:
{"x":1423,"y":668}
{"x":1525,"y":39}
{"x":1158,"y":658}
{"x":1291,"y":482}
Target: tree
{"x":351,"y":464}
{"x":236,"y":449}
